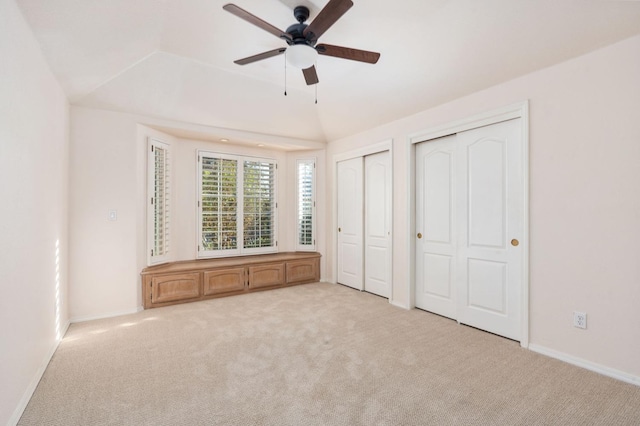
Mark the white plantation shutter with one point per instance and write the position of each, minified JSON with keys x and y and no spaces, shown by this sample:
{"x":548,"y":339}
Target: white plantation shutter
{"x":219,"y":204}
{"x":159,"y":202}
{"x":305,"y":181}
{"x":259,"y":204}
{"x":237,"y":209}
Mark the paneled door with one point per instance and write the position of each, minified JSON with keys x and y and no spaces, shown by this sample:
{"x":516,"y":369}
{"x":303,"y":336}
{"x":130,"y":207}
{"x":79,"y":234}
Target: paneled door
{"x":377,"y":223}
{"x":470,"y":194}
{"x":350,"y":222}
{"x":490,"y":211}
{"x":436,"y":226}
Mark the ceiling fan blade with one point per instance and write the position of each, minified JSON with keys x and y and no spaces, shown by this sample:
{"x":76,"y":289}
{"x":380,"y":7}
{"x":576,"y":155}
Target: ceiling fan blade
{"x":327,"y":17}
{"x":310,"y":75}
{"x":260,"y":56}
{"x":348,"y":53}
{"x":252,"y":19}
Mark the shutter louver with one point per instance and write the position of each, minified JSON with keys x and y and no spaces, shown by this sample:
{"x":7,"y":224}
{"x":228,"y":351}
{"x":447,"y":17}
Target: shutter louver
{"x":159,"y":190}
{"x":259,"y":204}
{"x":305,"y":181}
{"x":237,"y":205}
{"x":161,"y":203}
{"x":219,"y":204}
{"x":305,"y":203}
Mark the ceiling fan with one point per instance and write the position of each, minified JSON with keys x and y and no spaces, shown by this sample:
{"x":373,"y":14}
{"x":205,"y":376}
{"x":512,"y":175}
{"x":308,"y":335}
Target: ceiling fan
{"x":301,"y":38}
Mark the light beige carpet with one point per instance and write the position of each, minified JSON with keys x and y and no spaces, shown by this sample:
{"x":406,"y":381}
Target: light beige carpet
{"x":316,"y":354}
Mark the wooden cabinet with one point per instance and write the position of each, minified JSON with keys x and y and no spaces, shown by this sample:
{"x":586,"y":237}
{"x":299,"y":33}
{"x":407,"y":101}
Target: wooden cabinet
{"x":303,"y":270}
{"x":189,"y":281}
{"x":174,"y":287}
{"x":220,"y":281}
{"x":266,"y":275}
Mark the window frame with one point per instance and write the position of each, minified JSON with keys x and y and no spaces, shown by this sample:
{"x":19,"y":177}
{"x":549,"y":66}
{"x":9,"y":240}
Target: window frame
{"x":300,"y":246}
{"x":153,"y":257}
{"x":239,"y":250}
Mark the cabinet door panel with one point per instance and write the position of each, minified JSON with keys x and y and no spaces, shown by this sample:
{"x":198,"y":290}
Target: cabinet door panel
{"x":303,"y":270}
{"x":175,"y":287}
{"x":224,"y":280}
{"x":266,"y":275}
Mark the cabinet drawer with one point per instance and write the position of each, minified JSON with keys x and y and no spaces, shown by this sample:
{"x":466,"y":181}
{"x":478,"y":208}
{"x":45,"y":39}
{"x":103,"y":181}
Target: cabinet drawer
{"x":266,"y":275}
{"x":175,"y":287}
{"x":303,"y":270}
{"x":224,"y":280}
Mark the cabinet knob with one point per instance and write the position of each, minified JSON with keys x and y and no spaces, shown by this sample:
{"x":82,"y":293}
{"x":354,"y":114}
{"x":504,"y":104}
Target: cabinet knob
{"x":515,"y":242}
{"x":419,"y":235}
{"x":339,"y":229}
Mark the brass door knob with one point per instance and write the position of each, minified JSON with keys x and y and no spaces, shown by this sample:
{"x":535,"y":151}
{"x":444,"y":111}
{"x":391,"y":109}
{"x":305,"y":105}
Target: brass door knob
{"x":515,"y":242}
{"x":419,"y":235}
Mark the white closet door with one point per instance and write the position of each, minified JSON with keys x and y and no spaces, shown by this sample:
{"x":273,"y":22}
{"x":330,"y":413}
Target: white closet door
{"x":377,"y":218}
{"x":436,"y":223}
{"x":350,"y":222}
{"x":491,"y":222}
{"x":469,"y":225}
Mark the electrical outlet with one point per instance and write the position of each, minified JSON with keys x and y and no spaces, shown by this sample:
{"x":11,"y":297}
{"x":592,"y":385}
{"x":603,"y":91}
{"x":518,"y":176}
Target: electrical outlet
{"x":579,"y":319}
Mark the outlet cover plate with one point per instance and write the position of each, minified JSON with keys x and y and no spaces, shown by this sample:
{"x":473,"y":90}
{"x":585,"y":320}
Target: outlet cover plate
{"x":579,"y":319}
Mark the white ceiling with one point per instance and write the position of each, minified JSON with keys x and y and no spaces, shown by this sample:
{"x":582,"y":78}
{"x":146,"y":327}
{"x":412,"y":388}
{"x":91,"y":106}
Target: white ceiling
{"x":173,"y":59}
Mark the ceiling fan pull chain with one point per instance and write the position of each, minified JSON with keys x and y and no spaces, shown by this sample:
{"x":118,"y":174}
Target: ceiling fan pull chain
{"x":285,"y":73}
{"x":316,"y":85}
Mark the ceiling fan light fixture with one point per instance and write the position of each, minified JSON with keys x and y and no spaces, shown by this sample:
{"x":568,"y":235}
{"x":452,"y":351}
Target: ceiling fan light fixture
{"x":301,"y":56}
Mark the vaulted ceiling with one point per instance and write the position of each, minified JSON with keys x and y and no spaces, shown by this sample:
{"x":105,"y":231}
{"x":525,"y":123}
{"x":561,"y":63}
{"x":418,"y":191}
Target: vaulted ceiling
{"x":173,"y":59}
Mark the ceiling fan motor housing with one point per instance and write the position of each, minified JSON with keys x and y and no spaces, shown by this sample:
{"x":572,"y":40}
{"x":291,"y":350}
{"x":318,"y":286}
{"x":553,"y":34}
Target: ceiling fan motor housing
{"x":296,"y":31}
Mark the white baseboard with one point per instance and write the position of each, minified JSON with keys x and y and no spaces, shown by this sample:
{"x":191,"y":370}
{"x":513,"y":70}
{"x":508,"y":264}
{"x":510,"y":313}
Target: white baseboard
{"x":26,"y":397}
{"x":107,"y":315}
{"x":592,"y":366}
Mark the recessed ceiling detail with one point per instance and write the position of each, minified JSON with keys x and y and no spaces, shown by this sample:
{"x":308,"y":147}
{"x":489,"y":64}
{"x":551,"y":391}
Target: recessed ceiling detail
{"x":173,"y":59}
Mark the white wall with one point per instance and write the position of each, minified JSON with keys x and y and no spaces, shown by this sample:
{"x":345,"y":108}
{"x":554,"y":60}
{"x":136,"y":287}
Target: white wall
{"x":108,"y":172}
{"x":33,"y":218}
{"x":584,"y":203}
{"x":103,"y":173}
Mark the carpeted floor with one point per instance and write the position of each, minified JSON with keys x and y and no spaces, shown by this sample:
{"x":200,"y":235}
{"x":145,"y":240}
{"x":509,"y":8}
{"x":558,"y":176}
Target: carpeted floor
{"x":316,"y":354}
